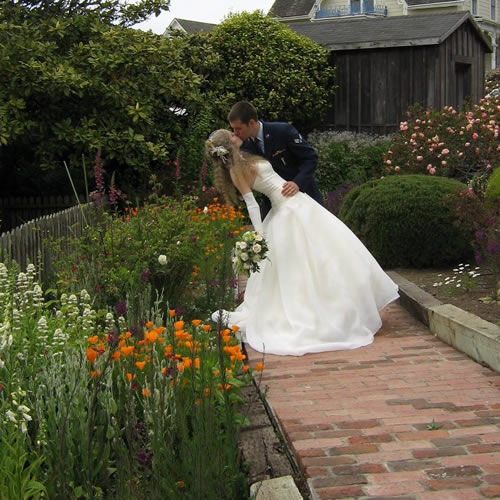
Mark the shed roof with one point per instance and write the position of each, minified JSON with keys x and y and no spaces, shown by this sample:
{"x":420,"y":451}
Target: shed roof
{"x":382,"y":32}
{"x":291,"y":8}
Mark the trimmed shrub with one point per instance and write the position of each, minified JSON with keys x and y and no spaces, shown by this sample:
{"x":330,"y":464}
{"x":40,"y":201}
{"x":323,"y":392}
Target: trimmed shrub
{"x":347,"y":158}
{"x":492,"y":193}
{"x":405,"y":221}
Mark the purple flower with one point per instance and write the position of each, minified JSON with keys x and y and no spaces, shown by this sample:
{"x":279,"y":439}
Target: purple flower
{"x":479,"y":235}
{"x":215,"y":283}
{"x":493,"y":248}
{"x":121,"y":308}
{"x":146,"y":275}
{"x":478,"y":258}
{"x":112,"y":340}
{"x":230,"y":235}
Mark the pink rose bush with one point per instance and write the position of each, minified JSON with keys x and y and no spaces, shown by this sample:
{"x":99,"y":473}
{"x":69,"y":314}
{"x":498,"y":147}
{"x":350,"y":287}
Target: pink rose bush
{"x":460,"y":144}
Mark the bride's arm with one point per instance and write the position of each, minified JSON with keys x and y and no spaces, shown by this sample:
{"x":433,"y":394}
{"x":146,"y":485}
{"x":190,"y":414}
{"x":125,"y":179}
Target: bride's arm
{"x":252,"y":206}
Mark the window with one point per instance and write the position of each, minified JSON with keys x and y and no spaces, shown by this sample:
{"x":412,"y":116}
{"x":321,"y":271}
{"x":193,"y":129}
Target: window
{"x":355,"y":6}
{"x":493,"y":10}
{"x":474,"y":7}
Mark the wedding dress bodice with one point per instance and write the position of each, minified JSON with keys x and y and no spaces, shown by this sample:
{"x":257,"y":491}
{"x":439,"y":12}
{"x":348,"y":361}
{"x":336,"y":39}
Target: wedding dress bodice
{"x":268,"y":182}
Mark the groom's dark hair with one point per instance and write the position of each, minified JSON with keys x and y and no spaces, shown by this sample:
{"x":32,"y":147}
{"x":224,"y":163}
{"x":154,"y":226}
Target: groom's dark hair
{"x":242,"y":111}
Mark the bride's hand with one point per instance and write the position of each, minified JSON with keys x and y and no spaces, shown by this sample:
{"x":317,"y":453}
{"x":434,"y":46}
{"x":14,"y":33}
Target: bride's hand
{"x":236,"y":141}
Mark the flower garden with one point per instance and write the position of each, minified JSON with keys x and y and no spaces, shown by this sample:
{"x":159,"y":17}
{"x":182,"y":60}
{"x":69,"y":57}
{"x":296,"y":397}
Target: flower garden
{"x":108,"y":389}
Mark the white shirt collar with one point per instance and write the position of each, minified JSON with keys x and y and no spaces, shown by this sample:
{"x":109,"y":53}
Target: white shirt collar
{"x":260,"y":134}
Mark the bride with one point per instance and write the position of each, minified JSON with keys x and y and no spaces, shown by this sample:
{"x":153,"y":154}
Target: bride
{"x":320,"y":289}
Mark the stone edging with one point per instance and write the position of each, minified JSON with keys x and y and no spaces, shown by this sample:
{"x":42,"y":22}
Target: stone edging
{"x":464,"y":331}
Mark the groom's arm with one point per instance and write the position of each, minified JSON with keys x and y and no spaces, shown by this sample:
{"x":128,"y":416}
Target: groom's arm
{"x":305,"y":157}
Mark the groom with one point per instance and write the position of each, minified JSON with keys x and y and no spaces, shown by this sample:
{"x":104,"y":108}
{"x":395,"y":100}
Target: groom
{"x":281,"y":144}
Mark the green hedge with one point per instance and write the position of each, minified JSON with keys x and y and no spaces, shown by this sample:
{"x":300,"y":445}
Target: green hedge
{"x":405,"y":221}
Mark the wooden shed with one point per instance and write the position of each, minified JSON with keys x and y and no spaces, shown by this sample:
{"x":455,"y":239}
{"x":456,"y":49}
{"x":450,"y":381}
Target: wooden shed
{"x":386,"y":64}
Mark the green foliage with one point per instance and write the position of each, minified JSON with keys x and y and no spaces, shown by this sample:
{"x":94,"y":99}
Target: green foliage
{"x":458,"y":144}
{"x":347,"y":158}
{"x":70,"y":86}
{"x":492,"y":192}
{"x":109,"y":11}
{"x":405,"y":221}
{"x":286,"y":76}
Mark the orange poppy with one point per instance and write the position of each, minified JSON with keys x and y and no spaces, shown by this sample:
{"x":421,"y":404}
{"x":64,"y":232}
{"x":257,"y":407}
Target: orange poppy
{"x":179,"y":325}
{"x":116,"y":355}
{"x":259,"y":367}
{"x":126,"y":350}
{"x":140,"y":364}
{"x":93,"y":339}
{"x":196,"y":322}
{"x":146,"y":392}
{"x":92,"y":355}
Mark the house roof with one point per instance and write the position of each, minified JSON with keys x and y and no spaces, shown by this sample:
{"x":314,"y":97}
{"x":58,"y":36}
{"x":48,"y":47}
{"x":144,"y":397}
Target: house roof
{"x":190,"y":26}
{"x":381,"y":32}
{"x":291,"y":8}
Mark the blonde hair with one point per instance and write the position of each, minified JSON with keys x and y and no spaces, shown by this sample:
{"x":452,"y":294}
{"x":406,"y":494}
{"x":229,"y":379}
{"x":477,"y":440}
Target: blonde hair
{"x":220,"y":148}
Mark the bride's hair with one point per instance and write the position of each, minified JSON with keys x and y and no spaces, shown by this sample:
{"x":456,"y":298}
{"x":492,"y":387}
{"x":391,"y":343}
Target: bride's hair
{"x":221,"y":150}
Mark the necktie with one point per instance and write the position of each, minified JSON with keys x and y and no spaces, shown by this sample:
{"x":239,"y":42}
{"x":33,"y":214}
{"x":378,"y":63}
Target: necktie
{"x":259,"y":145}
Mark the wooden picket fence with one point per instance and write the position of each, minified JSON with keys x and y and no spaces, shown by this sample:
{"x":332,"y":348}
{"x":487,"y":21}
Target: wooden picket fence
{"x":17,"y":210}
{"x":30,"y":242}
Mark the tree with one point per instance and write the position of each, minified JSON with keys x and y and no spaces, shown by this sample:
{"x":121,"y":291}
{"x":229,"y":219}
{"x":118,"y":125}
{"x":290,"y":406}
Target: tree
{"x":72,"y":86}
{"x":286,"y":76}
{"x":106,"y":11}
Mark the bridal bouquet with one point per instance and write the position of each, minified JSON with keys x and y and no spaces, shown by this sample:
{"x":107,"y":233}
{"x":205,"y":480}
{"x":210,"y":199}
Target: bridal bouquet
{"x":249,"y":251}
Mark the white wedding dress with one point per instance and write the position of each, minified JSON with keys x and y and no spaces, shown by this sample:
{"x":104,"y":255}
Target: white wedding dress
{"x":318,"y":290}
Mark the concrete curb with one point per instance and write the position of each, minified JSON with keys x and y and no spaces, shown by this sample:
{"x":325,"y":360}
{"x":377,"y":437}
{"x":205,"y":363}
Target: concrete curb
{"x":466,"y":332}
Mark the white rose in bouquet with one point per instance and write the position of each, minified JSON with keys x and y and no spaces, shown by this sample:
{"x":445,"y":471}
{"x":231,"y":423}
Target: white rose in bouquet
{"x":256,"y":248}
{"x":258,"y":237}
{"x":243,"y":245}
{"x":246,"y":265}
{"x":244,"y":256}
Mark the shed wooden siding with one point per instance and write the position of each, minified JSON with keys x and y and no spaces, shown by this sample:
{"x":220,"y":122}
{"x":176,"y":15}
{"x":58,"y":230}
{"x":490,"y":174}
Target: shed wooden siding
{"x":376,"y":86}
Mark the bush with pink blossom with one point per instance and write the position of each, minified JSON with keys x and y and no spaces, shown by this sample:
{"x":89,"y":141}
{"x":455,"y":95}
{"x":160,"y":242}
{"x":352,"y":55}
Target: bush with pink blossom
{"x":460,"y":144}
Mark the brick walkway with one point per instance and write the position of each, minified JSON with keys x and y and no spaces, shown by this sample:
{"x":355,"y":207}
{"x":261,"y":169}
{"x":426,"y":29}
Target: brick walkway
{"x":407,"y":417}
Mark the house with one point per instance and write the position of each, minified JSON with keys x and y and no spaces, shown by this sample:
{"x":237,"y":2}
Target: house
{"x":386,"y":64}
{"x":187,"y":26}
{"x":485,"y":13}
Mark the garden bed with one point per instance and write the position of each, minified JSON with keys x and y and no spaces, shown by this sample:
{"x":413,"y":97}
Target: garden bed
{"x":468,"y":300}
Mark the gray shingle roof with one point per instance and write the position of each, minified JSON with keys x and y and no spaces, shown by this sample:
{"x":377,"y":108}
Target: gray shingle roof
{"x":397,"y":31}
{"x":291,"y":8}
{"x":194,"y":26}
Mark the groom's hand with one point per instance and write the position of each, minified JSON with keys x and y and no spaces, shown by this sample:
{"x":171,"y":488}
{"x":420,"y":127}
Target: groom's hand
{"x":289,"y":189}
